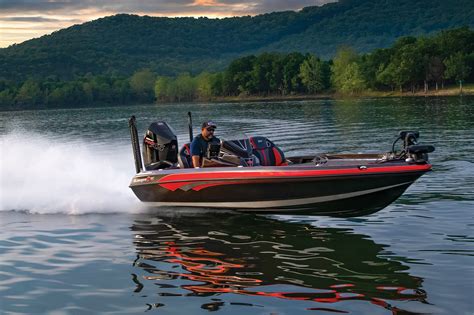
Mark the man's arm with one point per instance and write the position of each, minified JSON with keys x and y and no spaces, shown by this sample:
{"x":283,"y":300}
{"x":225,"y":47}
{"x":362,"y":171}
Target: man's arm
{"x":196,"y":159}
{"x":195,"y":152}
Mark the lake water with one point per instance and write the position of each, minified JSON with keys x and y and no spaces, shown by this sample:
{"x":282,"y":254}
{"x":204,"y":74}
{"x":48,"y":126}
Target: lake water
{"x":75,"y":240}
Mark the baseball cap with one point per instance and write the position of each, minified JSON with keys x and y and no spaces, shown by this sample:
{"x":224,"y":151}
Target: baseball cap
{"x":208,"y":124}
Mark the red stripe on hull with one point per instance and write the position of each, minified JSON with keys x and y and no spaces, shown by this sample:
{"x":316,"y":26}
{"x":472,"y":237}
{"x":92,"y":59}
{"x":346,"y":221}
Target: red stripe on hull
{"x":176,"y":185}
{"x":175,"y":181}
{"x":289,"y":173}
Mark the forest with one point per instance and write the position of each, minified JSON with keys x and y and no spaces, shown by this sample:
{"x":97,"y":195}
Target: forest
{"x":119,"y":45}
{"x":410,"y":64}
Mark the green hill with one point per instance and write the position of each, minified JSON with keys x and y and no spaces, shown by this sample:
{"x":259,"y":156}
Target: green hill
{"x":121,"y":44}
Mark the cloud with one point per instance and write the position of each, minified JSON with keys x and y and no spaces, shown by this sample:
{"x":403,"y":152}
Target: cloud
{"x":154,"y":7}
{"x":35,"y":19}
{"x":16,"y":6}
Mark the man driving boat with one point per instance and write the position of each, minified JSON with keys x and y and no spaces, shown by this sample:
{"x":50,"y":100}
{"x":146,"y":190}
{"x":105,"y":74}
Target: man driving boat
{"x":201,"y":142}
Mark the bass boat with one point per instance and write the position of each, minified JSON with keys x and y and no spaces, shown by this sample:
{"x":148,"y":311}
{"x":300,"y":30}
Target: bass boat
{"x":254,"y":175}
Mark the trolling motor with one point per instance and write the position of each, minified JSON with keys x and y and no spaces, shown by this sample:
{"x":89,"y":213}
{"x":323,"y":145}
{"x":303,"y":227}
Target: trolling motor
{"x":412,"y":152}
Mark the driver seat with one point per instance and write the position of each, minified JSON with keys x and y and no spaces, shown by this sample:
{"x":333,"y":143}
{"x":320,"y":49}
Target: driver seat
{"x":184,"y":156}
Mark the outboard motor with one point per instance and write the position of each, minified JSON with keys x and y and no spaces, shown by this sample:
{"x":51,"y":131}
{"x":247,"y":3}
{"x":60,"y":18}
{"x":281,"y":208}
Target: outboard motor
{"x":160,"y":146}
{"x":412,"y":151}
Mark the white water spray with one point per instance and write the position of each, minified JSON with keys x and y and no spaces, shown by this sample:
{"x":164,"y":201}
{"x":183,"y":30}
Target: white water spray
{"x":41,"y":174}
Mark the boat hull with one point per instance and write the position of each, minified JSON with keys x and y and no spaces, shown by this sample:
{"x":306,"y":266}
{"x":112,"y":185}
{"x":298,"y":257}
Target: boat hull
{"x":346,"y":191}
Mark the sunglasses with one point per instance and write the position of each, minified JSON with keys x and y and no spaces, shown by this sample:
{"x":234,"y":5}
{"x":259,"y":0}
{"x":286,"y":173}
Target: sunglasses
{"x":210,"y":129}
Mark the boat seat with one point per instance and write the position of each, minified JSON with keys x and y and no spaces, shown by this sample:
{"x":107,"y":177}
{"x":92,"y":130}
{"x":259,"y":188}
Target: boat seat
{"x":267,"y":152}
{"x":184,"y":157}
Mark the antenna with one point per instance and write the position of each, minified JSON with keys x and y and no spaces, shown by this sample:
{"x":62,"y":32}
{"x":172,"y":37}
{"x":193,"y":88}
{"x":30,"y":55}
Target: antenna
{"x":190,"y":126}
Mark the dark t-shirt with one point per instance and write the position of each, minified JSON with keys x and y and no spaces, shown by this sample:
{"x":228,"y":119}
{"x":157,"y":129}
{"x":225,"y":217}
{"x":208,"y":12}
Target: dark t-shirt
{"x":199,"y":145}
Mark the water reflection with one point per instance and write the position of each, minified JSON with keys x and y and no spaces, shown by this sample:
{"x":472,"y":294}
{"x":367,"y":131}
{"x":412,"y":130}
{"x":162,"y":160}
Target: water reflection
{"x":218,"y":255}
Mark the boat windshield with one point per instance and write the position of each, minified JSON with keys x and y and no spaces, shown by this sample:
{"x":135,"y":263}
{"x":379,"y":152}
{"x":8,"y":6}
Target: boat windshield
{"x":237,"y":143}
{"x":236,"y":149}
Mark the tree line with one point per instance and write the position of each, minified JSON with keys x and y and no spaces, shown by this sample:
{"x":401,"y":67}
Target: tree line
{"x":411,"y":64}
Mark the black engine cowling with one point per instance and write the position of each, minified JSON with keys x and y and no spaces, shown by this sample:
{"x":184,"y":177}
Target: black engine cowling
{"x":160,"y":146}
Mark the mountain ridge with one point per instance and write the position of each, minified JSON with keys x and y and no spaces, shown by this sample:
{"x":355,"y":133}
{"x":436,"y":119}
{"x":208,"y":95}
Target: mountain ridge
{"x":122,"y":43}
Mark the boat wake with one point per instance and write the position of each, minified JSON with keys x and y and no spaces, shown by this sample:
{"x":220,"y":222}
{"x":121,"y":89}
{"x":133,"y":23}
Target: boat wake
{"x":42,"y":174}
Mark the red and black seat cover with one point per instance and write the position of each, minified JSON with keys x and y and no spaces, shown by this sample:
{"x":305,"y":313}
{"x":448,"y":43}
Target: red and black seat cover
{"x":184,"y":157}
{"x":267,"y":152}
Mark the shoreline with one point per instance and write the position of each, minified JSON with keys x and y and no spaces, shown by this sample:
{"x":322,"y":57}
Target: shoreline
{"x":450,"y":91}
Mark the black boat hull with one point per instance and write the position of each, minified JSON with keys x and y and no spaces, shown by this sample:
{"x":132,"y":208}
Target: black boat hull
{"x":348,"y":191}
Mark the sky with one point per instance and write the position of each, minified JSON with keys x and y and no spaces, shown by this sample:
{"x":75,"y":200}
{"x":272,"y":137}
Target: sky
{"x":21,"y":20}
